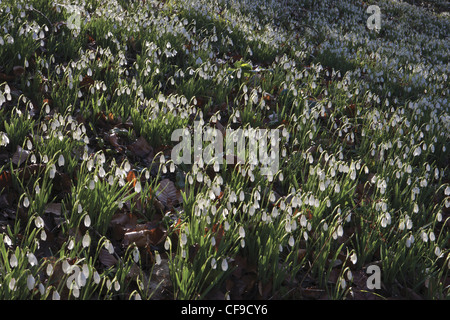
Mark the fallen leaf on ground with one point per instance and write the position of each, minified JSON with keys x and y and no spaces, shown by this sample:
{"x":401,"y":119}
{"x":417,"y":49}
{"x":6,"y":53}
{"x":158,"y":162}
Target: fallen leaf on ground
{"x":20,"y":156}
{"x":131,"y":177}
{"x":5,"y":179}
{"x":86,"y":82}
{"x":113,"y":139}
{"x":265,"y":290}
{"x":5,"y":77}
{"x":54,"y":208}
{"x":120,"y":223}
{"x":30,"y":170}
{"x":312,"y":293}
{"x":168,"y":194}
{"x":18,"y":70}
{"x":143,"y":235}
{"x":142,"y":149}
{"x":107,"y":258}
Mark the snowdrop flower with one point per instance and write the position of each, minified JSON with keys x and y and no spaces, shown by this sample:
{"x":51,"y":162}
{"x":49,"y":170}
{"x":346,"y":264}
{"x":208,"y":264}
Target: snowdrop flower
{"x":71,"y":244}
{"x":157,"y":258}
{"x":7,"y":240}
{"x":432,"y":237}
{"x":447,"y":191}
{"x":26,"y":202}
{"x":52,"y":171}
{"x":138,"y":187}
{"x":49,"y":270}
{"x":55,"y":295}
{"x":39,"y":222}
{"x":241,"y":232}
{"x":340,"y":231}
{"x":437,"y":251}
{"x":108,"y":246}
{"x":87,"y":221}
{"x":424,"y":236}
{"x":32,"y":259}
{"x":183,"y":239}
{"x":291,"y":241}
{"x":4,"y":141}
{"x":13,"y":261}
{"x":224,"y":264}
{"x":353,"y":258}
{"x":86,"y":241}
{"x":12,"y":284}
{"x":409,"y":241}
{"x":30,"y":282}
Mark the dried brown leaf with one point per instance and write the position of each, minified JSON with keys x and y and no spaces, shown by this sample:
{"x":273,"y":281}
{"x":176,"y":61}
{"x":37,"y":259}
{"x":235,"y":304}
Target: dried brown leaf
{"x":107,"y":258}
{"x":141,"y":148}
{"x":113,"y":139}
{"x":168,"y":194}
{"x":312,"y":293}
{"x":18,"y":70}
{"x":5,"y":179}
{"x":141,"y":238}
{"x":143,"y":235}
{"x":54,"y":208}
{"x":20,"y":156}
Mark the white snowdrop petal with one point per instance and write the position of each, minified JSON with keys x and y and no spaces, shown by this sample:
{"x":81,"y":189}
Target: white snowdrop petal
{"x":13,"y":261}
{"x":61,"y":160}
{"x":39,"y":222}
{"x":87,"y":221}
{"x":26,"y":202}
{"x":86,"y":241}
{"x":32,"y":259}
{"x":353,"y":258}
{"x":183,"y":239}
{"x":291,"y":241}
{"x":241,"y":232}
{"x":12,"y":284}
{"x":137,"y":187}
{"x":224,"y":265}
{"x":157,"y":258}
{"x":96,"y":277}
{"x":7,"y":240}
{"x":55,"y":295}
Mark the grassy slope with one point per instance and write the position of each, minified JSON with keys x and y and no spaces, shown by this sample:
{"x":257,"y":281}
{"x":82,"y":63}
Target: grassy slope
{"x":363,"y":176}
